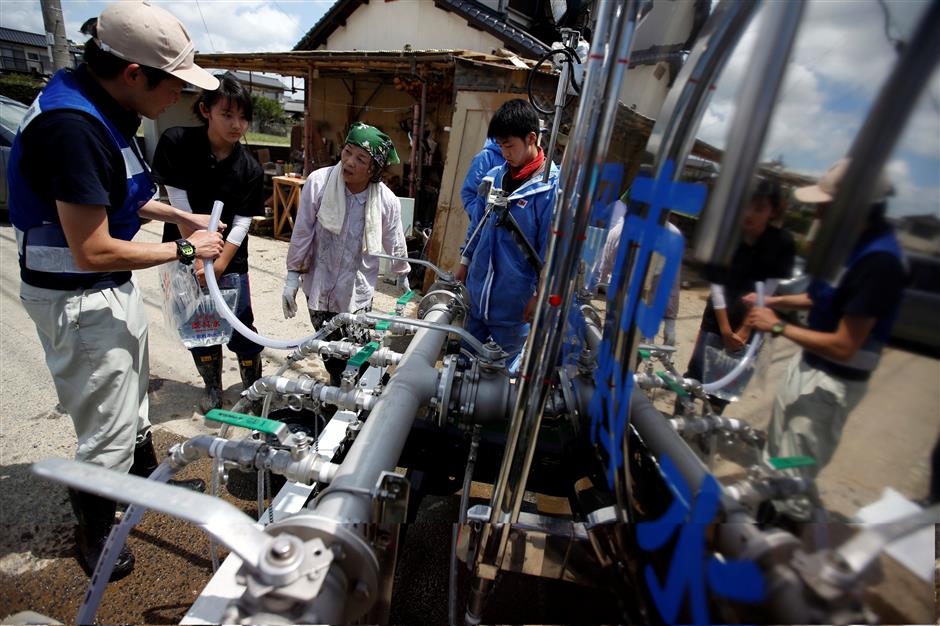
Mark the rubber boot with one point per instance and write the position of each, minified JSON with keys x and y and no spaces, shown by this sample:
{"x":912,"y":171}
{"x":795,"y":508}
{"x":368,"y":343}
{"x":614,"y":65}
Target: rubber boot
{"x":249,"y":368}
{"x":95,"y":517}
{"x":145,"y":462}
{"x":210,"y":368}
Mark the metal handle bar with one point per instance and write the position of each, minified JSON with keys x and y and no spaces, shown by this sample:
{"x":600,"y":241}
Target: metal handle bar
{"x":473,"y":342}
{"x":447,"y":276}
{"x":221,"y":520}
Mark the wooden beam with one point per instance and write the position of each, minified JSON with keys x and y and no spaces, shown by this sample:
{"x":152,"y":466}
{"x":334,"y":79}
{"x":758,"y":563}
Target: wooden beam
{"x":308,"y":122}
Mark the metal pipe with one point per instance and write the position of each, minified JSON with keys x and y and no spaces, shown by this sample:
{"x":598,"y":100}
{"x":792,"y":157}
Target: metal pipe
{"x":583,"y":160}
{"x":569,"y":39}
{"x":716,"y":236}
{"x":378,"y":446}
{"x":673,"y":134}
{"x":845,"y":219}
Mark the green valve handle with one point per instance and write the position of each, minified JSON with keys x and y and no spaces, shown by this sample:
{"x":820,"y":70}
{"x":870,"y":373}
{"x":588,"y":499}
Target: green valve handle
{"x":645,"y":355}
{"x":406,"y":297}
{"x":251,"y":422}
{"x":384,"y":324}
{"x":672,"y":384}
{"x":363,"y":355}
{"x":788,"y":462}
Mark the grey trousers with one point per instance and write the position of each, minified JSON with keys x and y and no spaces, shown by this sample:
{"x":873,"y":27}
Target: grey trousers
{"x":96,"y":349}
{"x":809,"y":413}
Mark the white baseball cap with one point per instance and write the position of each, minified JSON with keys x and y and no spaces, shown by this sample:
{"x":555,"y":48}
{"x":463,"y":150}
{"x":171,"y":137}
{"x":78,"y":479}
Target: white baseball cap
{"x":828,"y":186}
{"x":141,"y":33}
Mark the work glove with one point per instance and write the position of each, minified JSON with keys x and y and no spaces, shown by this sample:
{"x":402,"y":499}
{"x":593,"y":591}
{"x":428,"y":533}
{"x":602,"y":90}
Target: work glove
{"x":289,"y":296}
{"x":402,"y":283}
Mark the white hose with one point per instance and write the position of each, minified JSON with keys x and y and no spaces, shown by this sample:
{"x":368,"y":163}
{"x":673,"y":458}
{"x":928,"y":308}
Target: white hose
{"x":745,"y":360}
{"x":223,"y":308}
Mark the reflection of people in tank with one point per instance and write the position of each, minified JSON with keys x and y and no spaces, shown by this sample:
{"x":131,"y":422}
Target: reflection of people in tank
{"x":849,"y":323}
{"x":765,"y":253}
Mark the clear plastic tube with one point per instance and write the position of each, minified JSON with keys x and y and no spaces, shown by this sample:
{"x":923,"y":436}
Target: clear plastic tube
{"x":226,"y":312}
{"x":748,"y":356}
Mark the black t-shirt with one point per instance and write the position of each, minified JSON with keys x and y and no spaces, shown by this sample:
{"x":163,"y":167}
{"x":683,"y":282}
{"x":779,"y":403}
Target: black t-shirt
{"x":771,"y":256}
{"x":184,"y":160}
{"x":69,"y":156}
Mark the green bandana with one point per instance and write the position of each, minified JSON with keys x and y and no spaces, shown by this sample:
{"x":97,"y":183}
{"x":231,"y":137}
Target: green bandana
{"x":378,"y":144}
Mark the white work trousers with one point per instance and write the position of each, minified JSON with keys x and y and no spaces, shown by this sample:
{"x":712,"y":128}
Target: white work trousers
{"x":96,"y":350}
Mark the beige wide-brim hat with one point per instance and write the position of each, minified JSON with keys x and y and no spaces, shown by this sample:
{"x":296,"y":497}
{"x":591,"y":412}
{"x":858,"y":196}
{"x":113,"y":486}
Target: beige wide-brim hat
{"x":147,"y":35}
{"x":828,"y":186}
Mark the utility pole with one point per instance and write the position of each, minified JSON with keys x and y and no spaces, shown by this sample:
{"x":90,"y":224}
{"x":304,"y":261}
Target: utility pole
{"x":54,"y":22}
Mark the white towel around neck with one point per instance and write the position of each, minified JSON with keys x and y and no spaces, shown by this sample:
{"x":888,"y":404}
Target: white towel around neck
{"x":332,"y":211}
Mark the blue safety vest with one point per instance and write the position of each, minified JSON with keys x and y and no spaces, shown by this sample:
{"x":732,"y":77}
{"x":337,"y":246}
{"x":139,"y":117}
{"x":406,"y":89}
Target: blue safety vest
{"x":45,"y":257}
{"x":824,"y":318}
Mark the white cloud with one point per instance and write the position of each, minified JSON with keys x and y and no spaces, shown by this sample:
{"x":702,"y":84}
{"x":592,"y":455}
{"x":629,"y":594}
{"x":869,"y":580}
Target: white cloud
{"x":840,"y":59}
{"x":238,"y":26}
{"x":21,"y":15}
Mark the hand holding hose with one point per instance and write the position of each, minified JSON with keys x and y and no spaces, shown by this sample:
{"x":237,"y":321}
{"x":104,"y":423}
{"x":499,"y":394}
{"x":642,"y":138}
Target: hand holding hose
{"x":208,"y":245}
{"x":289,"y":296}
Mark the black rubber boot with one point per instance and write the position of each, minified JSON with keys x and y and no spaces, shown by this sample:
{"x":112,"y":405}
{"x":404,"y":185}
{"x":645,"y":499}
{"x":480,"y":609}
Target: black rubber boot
{"x":209,"y":365}
{"x":145,"y":462}
{"x":249,"y":368}
{"x":95,"y":517}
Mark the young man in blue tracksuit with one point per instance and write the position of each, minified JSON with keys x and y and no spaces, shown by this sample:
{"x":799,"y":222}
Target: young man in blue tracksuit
{"x":501,"y":278}
{"x":849,"y":324}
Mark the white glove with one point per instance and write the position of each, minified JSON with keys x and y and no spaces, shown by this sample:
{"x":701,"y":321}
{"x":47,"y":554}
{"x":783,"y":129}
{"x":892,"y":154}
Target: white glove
{"x":289,"y":297}
{"x":402,"y":283}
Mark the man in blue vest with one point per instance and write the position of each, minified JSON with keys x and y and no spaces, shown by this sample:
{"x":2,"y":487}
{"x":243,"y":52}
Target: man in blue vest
{"x":849,"y":324}
{"x":501,"y":275}
{"x":78,"y":186}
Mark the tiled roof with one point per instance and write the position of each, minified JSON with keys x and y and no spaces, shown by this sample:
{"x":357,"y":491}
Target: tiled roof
{"x":515,"y":37}
{"x":22,"y":37}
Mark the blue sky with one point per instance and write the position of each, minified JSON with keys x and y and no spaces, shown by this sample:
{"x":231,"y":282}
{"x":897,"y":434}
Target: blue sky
{"x":840,"y":59}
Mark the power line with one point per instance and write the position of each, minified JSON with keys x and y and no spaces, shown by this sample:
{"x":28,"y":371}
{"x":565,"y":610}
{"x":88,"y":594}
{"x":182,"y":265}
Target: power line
{"x":208,"y":34}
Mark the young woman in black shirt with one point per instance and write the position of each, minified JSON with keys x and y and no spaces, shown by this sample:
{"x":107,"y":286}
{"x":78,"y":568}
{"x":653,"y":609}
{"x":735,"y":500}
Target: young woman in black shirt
{"x":197,"y":166}
{"x":765,"y":252}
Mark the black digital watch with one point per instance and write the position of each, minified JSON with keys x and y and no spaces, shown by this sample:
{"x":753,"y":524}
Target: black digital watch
{"x":185,"y":251}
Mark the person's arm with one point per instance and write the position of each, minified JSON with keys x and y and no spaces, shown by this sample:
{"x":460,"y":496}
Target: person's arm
{"x":393,"y":234}
{"x":95,"y":250}
{"x":840,"y":345}
{"x":186,"y":222}
{"x":301,"y":239}
{"x":794,"y":302}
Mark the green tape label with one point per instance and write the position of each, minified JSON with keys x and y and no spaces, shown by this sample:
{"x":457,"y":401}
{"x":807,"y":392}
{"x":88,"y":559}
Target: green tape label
{"x":251,"y":422}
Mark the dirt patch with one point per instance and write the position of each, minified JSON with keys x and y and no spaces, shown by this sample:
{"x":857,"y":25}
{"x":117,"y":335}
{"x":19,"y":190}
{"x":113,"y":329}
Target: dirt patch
{"x":40,"y":572}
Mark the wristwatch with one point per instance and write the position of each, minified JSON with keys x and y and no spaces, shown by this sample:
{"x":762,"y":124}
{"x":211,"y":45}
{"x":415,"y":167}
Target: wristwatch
{"x":185,"y":251}
{"x":777,"y":329}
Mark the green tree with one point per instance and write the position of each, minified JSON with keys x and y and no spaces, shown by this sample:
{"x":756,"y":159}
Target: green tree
{"x":267,"y":111}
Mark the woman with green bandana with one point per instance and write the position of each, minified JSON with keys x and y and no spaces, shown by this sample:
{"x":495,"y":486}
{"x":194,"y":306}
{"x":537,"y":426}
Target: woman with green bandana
{"x":346,"y":214}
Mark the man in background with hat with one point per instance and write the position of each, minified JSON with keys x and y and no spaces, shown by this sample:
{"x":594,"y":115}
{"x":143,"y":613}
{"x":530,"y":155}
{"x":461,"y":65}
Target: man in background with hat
{"x":78,"y":185}
{"x":346,"y":214}
{"x":849,"y":324}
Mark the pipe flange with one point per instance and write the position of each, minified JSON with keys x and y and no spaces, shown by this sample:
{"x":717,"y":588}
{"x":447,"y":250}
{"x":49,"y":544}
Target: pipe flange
{"x":353,"y":555}
{"x":453,"y":295}
{"x":444,"y":386}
